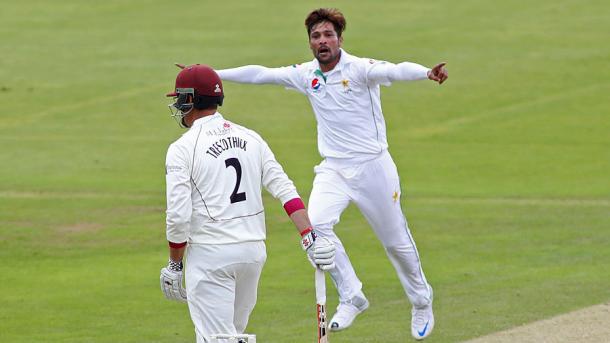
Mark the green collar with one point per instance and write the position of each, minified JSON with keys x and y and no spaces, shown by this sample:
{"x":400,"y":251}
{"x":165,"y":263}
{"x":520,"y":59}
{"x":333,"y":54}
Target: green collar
{"x":319,"y":73}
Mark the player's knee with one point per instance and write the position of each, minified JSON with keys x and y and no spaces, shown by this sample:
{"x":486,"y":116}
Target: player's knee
{"x":320,"y":224}
{"x":241,"y":319}
{"x":324,"y":230}
{"x":398,"y":250}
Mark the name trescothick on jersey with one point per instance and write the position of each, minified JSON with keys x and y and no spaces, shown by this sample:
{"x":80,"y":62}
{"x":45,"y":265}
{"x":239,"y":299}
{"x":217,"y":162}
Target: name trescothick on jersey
{"x":224,"y":144}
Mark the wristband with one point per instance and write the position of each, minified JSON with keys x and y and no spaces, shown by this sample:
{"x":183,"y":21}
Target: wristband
{"x":176,"y":245}
{"x":175,"y":266}
{"x":306,"y":231}
{"x":293,"y":205}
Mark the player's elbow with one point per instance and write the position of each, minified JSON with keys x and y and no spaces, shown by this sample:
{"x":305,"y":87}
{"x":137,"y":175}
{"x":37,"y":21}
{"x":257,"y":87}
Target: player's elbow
{"x":176,"y":229}
{"x":176,"y":221}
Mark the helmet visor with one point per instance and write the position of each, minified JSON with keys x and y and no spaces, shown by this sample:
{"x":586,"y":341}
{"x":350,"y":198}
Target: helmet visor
{"x":182,"y":105}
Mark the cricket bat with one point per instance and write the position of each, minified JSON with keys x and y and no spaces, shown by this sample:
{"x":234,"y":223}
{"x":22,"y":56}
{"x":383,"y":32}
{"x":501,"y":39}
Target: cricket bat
{"x":321,"y":305}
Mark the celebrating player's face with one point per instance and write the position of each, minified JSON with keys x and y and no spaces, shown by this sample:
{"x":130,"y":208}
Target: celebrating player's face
{"x":325,"y":43}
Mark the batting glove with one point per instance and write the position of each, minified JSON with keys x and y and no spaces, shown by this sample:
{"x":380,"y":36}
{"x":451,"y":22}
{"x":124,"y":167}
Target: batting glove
{"x":171,"y":282}
{"x":320,"y":250}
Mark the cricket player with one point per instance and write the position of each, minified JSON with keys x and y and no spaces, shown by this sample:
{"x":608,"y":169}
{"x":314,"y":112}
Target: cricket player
{"x":344,"y":93}
{"x":214,"y":175}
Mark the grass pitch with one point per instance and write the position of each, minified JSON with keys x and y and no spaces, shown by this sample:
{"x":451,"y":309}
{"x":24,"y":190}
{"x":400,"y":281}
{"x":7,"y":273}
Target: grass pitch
{"x":504,"y":168}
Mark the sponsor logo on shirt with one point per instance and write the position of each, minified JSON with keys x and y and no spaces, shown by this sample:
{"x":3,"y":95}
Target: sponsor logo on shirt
{"x":315,"y":84}
{"x":172,"y":169}
{"x":225,"y":130}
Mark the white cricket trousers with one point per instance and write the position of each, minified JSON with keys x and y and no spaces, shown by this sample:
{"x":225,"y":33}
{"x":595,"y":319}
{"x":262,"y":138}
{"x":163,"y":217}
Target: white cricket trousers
{"x":221,"y":285}
{"x":374,"y":187}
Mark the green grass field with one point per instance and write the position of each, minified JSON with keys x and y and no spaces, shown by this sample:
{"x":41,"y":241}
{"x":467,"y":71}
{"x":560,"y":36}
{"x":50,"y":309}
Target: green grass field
{"x":505,"y":167}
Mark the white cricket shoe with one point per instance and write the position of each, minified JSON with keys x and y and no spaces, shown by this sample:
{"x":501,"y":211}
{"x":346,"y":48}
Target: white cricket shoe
{"x":422,"y":320}
{"x":347,"y":312}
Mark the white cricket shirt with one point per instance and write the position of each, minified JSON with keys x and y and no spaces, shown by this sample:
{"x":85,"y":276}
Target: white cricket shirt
{"x":346,"y":100}
{"x":214,"y":176}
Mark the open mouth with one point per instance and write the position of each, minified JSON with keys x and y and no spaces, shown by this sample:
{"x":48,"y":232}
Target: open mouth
{"x":323,"y":50}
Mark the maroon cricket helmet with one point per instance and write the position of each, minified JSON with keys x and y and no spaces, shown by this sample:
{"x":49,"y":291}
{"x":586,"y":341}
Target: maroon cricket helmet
{"x":202,"y":82}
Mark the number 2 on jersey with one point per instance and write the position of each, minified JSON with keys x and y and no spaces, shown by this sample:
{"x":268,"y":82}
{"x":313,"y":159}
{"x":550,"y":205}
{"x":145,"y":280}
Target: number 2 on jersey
{"x":236,"y":197}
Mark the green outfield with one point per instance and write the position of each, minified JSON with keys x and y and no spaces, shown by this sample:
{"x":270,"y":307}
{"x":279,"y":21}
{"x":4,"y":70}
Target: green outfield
{"x":505,"y":168}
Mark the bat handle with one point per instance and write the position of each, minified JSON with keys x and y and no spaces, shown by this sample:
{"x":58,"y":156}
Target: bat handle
{"x":320,"y":286}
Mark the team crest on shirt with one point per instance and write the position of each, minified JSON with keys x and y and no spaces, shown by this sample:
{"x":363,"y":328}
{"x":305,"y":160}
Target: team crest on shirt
{"x":346,"y":88}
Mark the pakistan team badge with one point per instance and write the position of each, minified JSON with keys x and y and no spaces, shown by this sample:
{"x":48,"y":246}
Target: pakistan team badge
{"x":345,"y":84}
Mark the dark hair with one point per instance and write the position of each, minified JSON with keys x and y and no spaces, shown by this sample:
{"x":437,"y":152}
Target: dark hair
{"x":332,"y":15}
{"x":203,"y":102}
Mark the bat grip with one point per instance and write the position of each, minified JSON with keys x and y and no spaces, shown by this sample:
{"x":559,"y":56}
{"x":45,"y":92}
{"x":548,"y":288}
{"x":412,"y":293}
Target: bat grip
{"x":320,"y":286}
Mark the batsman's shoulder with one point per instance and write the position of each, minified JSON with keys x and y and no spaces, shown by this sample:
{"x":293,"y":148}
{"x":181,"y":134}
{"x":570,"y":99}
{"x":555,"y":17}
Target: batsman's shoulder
{"x":184,"y":139}
{"x":177,"y":154}
{"x":246,"y":132}
{"x":183,"y":144}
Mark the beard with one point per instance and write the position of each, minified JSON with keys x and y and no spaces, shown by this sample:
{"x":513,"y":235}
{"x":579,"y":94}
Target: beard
{"x":327,"y":56}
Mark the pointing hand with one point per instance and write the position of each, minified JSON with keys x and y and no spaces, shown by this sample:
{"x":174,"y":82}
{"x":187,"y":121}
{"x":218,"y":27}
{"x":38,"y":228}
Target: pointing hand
{"x":438,"y":73}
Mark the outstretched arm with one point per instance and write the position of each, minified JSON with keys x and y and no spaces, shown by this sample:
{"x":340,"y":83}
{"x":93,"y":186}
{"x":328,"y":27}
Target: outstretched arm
{"x":255,"y":74}
{"x":250,"y":74}
{"x":384,"y":72}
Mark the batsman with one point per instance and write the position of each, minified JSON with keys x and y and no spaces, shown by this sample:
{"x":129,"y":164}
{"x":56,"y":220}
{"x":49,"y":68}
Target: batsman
{"x":344,"y":92}
{"x":215,"y":173}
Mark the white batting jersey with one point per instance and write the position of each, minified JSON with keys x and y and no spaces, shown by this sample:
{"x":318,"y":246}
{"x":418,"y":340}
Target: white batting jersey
{"x":214,"y":175}
{"x":346,"y":100}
